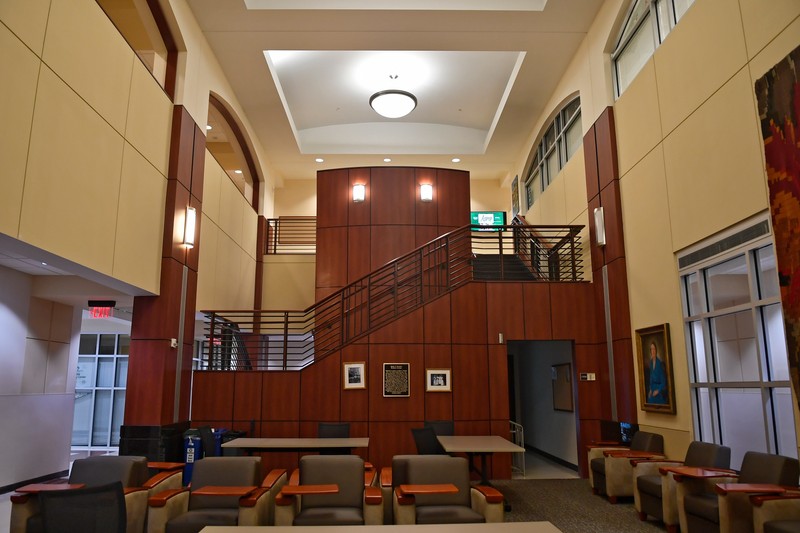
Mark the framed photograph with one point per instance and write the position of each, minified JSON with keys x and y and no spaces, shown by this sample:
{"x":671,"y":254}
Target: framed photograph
{"x":437,"y":380}
{"x":656,"y":386}
{"x":355,"y":375}
{"x":515,"y":197}
{"x":562,"y":386}
{"x":395,"y":380}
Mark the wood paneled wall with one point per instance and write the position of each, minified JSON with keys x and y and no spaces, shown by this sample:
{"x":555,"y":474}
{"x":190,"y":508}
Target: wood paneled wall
{"x":457,"y":331}
{"x":354,"y":239}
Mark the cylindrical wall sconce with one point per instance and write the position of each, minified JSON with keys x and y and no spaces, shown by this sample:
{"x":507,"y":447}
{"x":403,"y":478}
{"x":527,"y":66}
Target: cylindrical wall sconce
{"x":599,"y":226}
{"x":426,"y":192}
{"x":359,"y":192}
{"x":188,"y":230}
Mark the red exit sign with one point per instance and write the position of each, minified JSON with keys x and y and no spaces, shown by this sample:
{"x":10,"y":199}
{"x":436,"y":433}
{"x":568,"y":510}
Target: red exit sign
{"x":101,"y":312}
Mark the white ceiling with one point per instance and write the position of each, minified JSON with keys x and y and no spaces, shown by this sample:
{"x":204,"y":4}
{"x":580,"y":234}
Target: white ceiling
{"x":488,"y":67}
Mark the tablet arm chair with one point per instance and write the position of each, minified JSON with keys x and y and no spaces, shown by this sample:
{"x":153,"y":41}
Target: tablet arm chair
{"x":420,"y":501}
{"x":225,"y":491}
{"x":776,"y":513}
{"x":654,"y":493}
{"x":330,"y":490}
{"x":709,"y":503}
{"x":610,"y":469}
{"x":99,"y":509}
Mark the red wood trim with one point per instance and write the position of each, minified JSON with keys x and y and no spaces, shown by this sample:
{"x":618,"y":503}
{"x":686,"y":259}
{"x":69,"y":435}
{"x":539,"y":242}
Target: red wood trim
{"x":491,"y":494}
{"x":163,"y":465}
{"x":160,"y":499}
{"x":764,"y":488}
{"x":759,"y":499}
{"x":635,"y":462}
{"x":632,"y":454}
{"x":220,"y":490}
{"x":20,"y":498}
{"x":680,"y":472}
{"x":386,"y":476}
{"x":432,"y":488}
{"x":299,"y":490}
{"x":273,"y":477}
{"x":373,"y":495}
{"x":251,"y":499}
{"x":368,"y":466}
{"x":404,"y":499}
{"x":35,"y":488}
{"x":284,"y":499}
{"x":294,"y":479}
{"x":369,"y":477}
{"x":158,"y":478}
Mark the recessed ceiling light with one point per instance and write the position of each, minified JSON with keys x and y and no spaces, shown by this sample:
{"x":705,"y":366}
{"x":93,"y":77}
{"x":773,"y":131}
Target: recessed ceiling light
{"x":387,"y":160}
{"x":456,"y":160}
{"x":237,"y":171}
{"x":319,"y":160}
{"x":208,"y":127}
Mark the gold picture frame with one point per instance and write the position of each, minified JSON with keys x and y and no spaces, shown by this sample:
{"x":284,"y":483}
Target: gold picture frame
{"x":656,"y":384}
{"x":437,"y":380}
{"x":354,"y":375}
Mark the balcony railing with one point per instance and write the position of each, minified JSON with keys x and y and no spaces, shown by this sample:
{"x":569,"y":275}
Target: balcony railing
{"x":290,"y":340}
{"x":291,"y":235}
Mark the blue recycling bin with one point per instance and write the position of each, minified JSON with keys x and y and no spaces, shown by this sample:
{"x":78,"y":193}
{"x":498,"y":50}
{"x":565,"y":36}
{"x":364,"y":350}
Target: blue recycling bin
{"x":219,"y":435}
{"x":192,"y":451}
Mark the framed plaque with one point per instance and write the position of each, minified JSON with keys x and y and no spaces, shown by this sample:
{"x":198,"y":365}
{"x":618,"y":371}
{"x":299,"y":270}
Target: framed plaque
{"x":396,"y":380}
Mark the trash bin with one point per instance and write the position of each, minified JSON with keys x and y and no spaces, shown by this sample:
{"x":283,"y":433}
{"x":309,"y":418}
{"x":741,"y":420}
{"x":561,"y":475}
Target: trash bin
{"x":229,"y":436}
{"x":192,"y":451}
{"x":219,"y":434}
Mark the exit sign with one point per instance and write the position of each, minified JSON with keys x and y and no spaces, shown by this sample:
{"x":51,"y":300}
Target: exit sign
{"x":101,"y":312}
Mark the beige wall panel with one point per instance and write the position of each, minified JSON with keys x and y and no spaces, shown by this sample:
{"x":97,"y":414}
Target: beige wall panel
{"x":140,"y":222}
{"x":574,"y":178}
{"x":676,"y":441}
{"x":229,"y":268}
{"x":710,"y":33}
{"x":61,"y":325}
{"x":231,"y":217}
{"x":89,"y":54}
{"x":715,"y":175}
{"x":760,"y":23}
{"x":207,"y":264}
{"x":534,"y":214}
{"x":488,"y":195}
{"x":600,"y":93}
{"x":249,"y":229}
{"x":72,"y":184}
{"x":638,"y":123}
{"x":246,"y":283}
{"x":149,"y":118}
{"x":289,"y":282}
{"x":296,"y":198}
{"x":19,"y":70}
{"x":27,"y":19}
{"x":57,"y":367}
{"x":34,"y":370}
{"x":40,"y":317}
{"x":554,"y":204}
{"x":212,"y":184}
{"x":776,"y":50}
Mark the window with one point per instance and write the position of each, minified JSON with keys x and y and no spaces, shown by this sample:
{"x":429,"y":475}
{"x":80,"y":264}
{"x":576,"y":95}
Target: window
{"x":100,"y":383}
{"x":739,"y":378}
{"x":647,"y":24}
{"x":560,"y":141}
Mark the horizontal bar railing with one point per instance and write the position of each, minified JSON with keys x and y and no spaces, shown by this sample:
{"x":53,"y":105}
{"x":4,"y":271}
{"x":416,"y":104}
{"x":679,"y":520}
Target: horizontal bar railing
{"x":291,"y":340}
{"x":291,"y":235}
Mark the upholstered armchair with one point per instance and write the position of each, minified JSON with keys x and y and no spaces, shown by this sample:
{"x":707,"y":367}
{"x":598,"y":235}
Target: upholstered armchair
{"x":330,"y":490}
{"x":225,"y":491}
{"x":710,"y":501}
{"x":776,"y":513}
{"x":438,"y":491}
{"x":654,"y":491}
{"x":610,"y":469}
{"x":132,"y":471}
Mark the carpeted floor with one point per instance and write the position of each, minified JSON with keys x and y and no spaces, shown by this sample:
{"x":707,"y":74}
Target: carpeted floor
{"x":570,"y":505}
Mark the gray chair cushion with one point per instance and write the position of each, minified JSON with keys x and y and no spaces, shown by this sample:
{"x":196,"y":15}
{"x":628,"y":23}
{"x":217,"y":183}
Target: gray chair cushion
{"x":703,"y":505}
{"x":326,"y":516}
{"x":194,"y":521}
{"x":447,"y":514}
{"x":649,"y":485}
{"x":225,"y":472}
{"x":97,"y":470}
{"x":760,"y":467}
{"x":708,"y":455}
{"x":782,"y":526}
{"x":347,"y":471}
{"x":432,"y":469}
{"x":647,"y":442}
{"x":598,"y":465}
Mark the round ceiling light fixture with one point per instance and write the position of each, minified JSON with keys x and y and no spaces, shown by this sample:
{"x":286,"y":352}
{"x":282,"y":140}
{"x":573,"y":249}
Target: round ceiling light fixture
{"x":393,"y":103}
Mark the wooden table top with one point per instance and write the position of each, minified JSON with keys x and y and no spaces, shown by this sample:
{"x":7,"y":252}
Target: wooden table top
{"x":435,"y":488}
{"x":296,"y":444}
{"x":478,"y":444}
{"x":221,"y":490}
{"x":299,"y":490}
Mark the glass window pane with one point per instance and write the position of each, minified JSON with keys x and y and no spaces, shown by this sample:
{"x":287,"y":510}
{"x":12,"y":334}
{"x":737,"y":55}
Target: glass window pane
{"x":639,"y":12}
{"x":81,"y":418}
{"x":122,"y":372}
{"x":699,"y":352}
{"x":549,"y":137}
{"x":102,"y":418}
{"x":85,"y":375}
{"x":635,"y":54}
{"x":784,"y":418}
{"x":571,"y":108}
{"x":552,"y":167}
{"x":703,"y":399}
{"x":105,"y":371}
{"x":742,"y":421}
{"x":775,"y":340}
{"x":574,"y":137}
{"x":767,"y":273}
{"x":727,"y":284}
{"x":735,"y":350}
{"x":123,"y":347}
{"x":694,"y":296}
{"x":88,"y":344}
{"x":681,"y":6}
{"x":117,"y":416}
{"x":664,"y":19}
{"x":108,"y":344}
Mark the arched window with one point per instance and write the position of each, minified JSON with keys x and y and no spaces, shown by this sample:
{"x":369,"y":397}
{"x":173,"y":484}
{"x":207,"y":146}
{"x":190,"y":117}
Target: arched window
{"x":647,"y":24}
{"x":560,"y":140}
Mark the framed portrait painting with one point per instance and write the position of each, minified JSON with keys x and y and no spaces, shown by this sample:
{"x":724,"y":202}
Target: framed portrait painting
{"x":656,"y":385}
{"x":354,"y":375}
{"x":437,"y":380}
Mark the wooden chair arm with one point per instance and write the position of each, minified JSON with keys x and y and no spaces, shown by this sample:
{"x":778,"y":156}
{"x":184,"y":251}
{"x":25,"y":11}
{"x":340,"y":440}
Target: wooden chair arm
{"x":301,"y":490}
{"x":160,"y":499}
{"x":369,"y":477}
{"x":433,"y":488}
{"x":402,"y":498}
{"x":491,"y":494}
{"x":373,"y":496}
{"x":251,"y":499}
{"x":635,"y":462}
{"x":681,"y":472}
{"x":761,"y":488}
{"x":18,"y":497}
{"x":163,"y":465}
{"x":368,"y":466}
{"x":224,"y":490}
{"x":386,"y":476}
{"x":294,"y":479}
{"x":273,"y":477}
{"x":158,"y":478}
{"x":759,"y":499}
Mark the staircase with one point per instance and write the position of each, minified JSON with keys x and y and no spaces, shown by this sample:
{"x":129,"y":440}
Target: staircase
{"x":496,"y":267}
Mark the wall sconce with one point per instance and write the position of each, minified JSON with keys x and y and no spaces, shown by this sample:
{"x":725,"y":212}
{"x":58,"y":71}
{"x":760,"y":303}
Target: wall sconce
{"x":188,"y":230}
{"x":426,"y":192}
{"x":599,"y":226}
{"x":359,"y":192}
